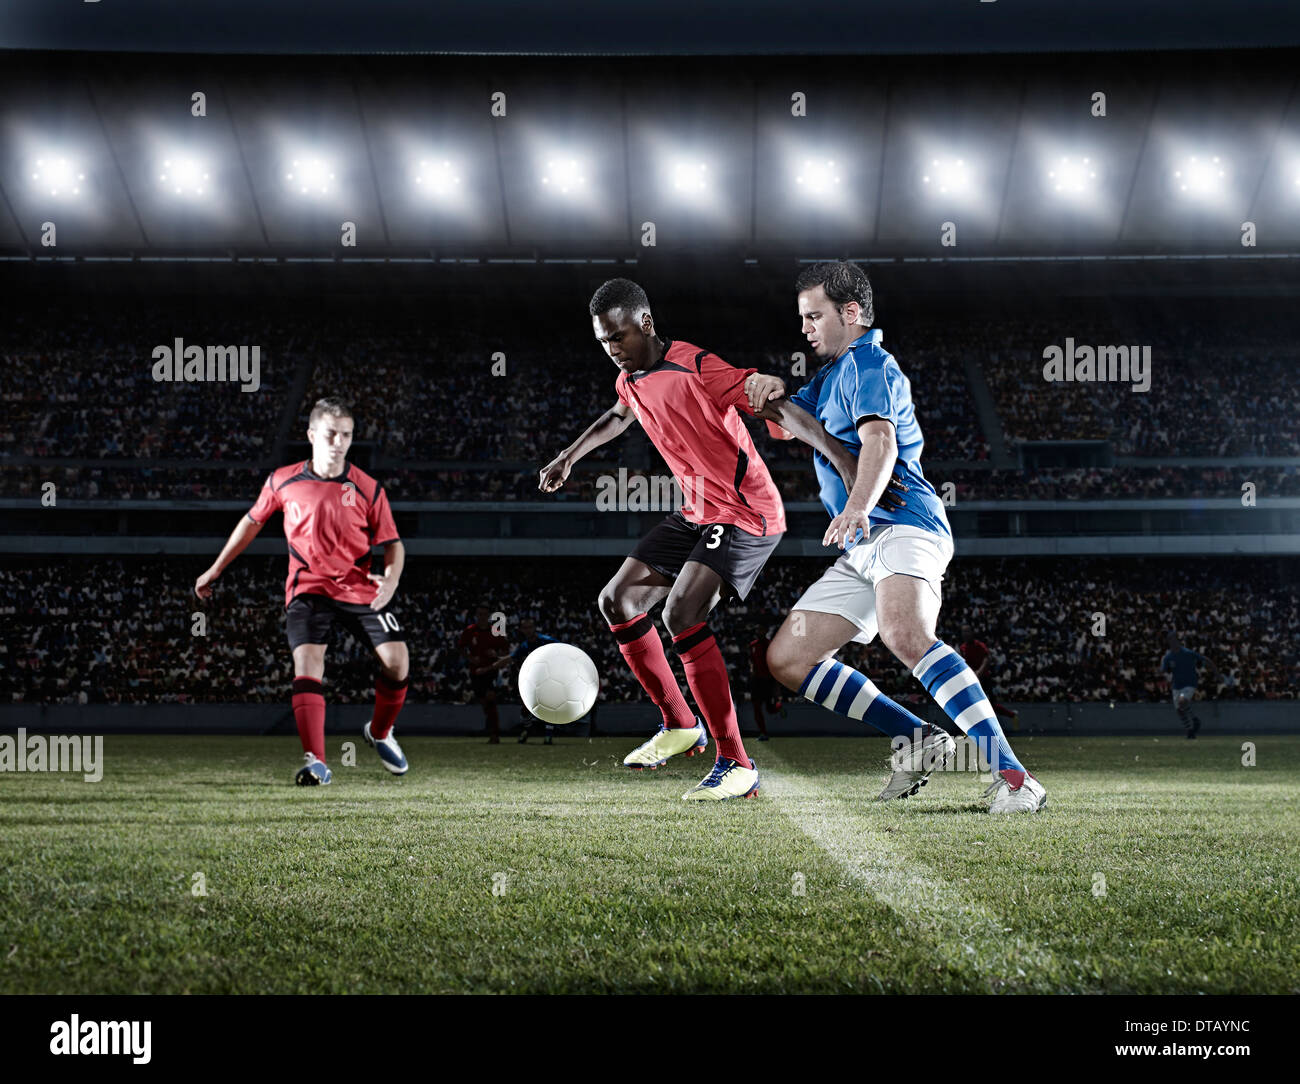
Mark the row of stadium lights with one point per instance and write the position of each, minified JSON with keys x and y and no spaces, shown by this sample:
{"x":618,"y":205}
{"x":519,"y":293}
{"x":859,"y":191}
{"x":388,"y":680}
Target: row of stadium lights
{"x":187,"y":175}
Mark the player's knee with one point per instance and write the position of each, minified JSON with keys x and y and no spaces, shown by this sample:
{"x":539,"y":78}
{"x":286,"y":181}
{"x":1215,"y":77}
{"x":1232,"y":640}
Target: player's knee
{"x":398,"y":664}
{"x":906,"y":642}
{"x":680,"y":615}
{"x":611,"y":604}
{"x":785,"y":665}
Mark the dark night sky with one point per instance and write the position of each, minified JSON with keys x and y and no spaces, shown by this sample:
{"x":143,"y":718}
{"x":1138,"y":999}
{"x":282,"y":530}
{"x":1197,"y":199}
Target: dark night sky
{"x":666,"y":26}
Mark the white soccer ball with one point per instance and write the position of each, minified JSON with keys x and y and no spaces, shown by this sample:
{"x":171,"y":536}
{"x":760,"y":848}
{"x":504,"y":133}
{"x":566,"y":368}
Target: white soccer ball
{"x":558,"y":683}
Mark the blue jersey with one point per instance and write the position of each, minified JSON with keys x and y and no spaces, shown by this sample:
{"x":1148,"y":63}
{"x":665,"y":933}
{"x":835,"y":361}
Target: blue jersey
{"x":1182,"y":664}
{"x":864,"y":382}
{"x":527,"y":647}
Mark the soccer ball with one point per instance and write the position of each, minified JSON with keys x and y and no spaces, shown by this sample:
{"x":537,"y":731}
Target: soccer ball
{"x":558,"y":683}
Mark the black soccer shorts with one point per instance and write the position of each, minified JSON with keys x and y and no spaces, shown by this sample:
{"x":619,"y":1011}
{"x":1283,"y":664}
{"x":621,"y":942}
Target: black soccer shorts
{"x":311,"y":620}
{"x":732,"y":552}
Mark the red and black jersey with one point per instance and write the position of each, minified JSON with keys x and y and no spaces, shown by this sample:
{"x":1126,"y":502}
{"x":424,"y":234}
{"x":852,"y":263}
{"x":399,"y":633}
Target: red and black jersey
{"x":687,"y":405}
{"x":974,"y":652}
{"x":330,"y":525}
{"x":482,"y":646}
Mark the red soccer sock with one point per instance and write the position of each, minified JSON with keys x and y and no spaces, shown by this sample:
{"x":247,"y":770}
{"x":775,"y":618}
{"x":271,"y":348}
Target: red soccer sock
{"x":644,"y":652}
{"x":707,"y":675}
{"x":309,"y":713}
{"x":389,"y":698}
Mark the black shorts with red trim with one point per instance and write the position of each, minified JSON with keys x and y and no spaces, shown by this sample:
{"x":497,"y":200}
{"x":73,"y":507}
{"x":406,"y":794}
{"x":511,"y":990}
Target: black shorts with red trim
{"x":732,"y":552}
{"x":311,"y":620}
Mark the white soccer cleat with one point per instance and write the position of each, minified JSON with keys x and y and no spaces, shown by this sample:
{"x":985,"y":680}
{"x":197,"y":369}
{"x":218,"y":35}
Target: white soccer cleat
{"x":910,"y":767}
{"x":1029,"y":797}
{"x":727,"y":780}
{"x":390,"y":753}
{"x":665,"y":743}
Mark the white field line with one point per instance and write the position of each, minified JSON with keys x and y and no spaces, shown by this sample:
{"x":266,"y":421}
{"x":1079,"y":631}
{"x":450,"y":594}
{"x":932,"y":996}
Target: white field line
{"x":963,"y":934}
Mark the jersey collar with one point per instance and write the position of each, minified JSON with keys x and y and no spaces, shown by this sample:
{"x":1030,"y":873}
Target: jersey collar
{"x":347,"y":469}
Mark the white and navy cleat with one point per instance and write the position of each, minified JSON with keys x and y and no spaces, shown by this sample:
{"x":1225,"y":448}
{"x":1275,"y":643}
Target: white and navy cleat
{"x":313,"y":773}
{"x":665,"y":743}
{"x":388,"y":749}
{"x":728,"y":779}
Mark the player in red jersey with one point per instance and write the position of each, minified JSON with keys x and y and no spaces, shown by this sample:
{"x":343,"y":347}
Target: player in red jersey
{"x":333,"y":514}
{"x":482,"y":646}
{"x":732,"y":518}
{"x":976,"y":654}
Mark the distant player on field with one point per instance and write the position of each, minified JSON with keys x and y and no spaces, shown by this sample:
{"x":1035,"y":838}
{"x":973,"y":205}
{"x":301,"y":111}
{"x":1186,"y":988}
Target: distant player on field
{"x":334,"y":513}
{"x":686,"y":399}
{"x":977,"y":656}
{"x":482,"y":647}
{"x":1180,"y":664}
{"x":529,"y":641}
{"x":888,"y":581}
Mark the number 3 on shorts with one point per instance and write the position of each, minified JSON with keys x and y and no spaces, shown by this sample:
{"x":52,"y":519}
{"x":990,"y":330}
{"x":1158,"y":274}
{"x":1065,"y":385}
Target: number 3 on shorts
{"x":714,"y":542}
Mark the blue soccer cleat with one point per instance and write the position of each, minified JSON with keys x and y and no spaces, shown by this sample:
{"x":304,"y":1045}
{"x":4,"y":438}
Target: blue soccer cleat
{"x":313,"y":773}
{"x":388,"y":749}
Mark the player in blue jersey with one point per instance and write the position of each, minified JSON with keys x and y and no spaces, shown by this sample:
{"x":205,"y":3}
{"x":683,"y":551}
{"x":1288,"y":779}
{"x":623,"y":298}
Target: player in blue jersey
{"x":530,"y":641}
{"x":888,"y":580}
{"x":1180,"y":664}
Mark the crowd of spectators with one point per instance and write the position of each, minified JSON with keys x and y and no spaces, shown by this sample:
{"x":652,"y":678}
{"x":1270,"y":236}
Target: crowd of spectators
{"x":122,"y":630}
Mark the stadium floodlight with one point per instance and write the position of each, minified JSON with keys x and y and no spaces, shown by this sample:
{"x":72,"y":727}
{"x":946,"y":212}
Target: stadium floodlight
{"x":1201,"y":177}
{"x":58,"y":175}
{"x":437,"y":178}
{"x":948,"y":176}
{"x":690,"y":177}
{"x":1073,"y":176}
{"x":310,"y":175}
{"x":565,"y":175}
{"x":184,"y":175}
{"x":818,"y":176}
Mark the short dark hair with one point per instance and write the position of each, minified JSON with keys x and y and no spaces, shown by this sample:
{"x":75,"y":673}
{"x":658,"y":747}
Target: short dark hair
{"x":619,"y":294}
{"x":331,"y":404}
{"x":843,"y":282}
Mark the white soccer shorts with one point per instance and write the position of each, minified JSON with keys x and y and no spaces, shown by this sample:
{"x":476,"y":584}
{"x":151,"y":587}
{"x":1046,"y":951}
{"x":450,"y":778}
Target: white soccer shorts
{"x":1188,"y":691}
{"x":848,"y":587}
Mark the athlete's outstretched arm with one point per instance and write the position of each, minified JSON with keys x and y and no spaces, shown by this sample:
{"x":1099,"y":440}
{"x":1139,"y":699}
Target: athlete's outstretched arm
{"x":238,"y":541}
{"x":799,"y":423}
{"x":604,"y":429}
{"x":875,"y":468}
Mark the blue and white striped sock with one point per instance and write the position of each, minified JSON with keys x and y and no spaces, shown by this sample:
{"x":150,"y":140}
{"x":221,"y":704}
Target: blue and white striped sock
{"x":956,"y":689}
{"x":848,"y":692}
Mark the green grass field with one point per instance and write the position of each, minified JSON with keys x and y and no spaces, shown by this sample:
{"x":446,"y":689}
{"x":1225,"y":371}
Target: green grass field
{"x":608,"y":882}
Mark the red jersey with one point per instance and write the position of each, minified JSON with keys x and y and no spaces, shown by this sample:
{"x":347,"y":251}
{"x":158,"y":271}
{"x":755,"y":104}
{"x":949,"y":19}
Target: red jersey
{"x":687,"y":405}
{"x":330,"y":525}
{"x":758,"y":657}
{"x":974,"y":652}
{"x":482,"y":646}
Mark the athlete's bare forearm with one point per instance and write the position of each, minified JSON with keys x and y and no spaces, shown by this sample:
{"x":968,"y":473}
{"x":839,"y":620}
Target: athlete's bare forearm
{"x":244,"y":533}
{"x":601,"y":431}
{"x":394,"y":560}
{"x":799,"y":423}
{"x":875,"y":465}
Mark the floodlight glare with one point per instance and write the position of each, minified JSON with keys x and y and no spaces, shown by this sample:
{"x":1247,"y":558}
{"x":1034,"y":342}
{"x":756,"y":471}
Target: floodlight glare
{"x":818,"y":176}
{"x":59,"y":176}
{"x":1201,"y":177}
{"x":690,"y":177}
{"x":310,"y":176}
{"x":184,"y":175}
{"x":437,"y":178}
{"x":564,"y":175}
{"x":948,"y":176}
{"x":1073,"y":176}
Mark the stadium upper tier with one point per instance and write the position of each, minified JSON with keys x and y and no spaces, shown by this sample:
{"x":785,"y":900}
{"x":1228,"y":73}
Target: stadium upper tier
{"x":442,"y":406}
